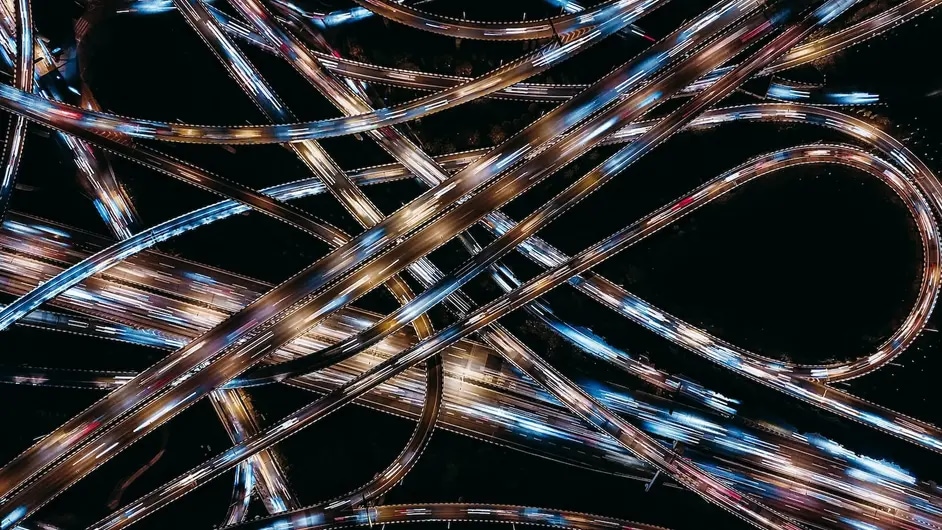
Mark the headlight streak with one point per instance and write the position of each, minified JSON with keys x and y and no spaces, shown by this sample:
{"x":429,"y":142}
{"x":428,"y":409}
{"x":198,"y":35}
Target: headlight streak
{"x":371,"y":242}
{"x":595,"y":392}
{"x":183,"y":383}
{"x":23,"y":78}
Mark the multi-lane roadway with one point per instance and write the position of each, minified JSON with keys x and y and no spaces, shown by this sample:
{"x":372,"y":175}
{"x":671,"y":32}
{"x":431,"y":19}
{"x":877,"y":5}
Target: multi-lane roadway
{"x":693,"y":62}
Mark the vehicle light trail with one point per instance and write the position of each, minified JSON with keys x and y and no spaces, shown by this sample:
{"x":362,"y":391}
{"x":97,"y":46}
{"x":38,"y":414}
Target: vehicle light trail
{"x":305,"y":332}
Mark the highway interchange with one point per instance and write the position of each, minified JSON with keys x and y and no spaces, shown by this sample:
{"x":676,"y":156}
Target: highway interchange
{"x":225,"y":334}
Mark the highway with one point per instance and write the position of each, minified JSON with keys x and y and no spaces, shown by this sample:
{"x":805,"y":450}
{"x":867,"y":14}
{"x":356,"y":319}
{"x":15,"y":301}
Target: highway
{"x":401,"y":150}
{"x":139,"y":128}
{"x":622,"y":80}
{"x":851,"y":156}
{"x":627,"y":435}
{"x":97,"y":176}
{"x":233,"y":343}
{"x":220,"y":293}
{"x":484,"y":410}
{"x":115,"y":208}
{"x":550,"y":28}
{"x":23,"y":78}
{"x":780,"y":89}
{"x":511,"y":238}
{"x":817,"y":369}
{"x":327,"y":170}
{"x":614,"y":12}
{"x":614,"y":15}
{"x":128,"y":246}
{"x":772,"y":114}
{"x":240,"y":421}
{"x":908,"y":329}
{"x":479,"y":513}
{"x":405,"y":151}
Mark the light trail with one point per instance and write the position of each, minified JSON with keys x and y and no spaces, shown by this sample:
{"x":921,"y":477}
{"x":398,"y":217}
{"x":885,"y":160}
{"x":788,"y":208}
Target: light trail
{"x":23,"y":77}
{"x":287,"y":295}
{"x":612,"y":16}
{"x":692,"y":62}
{"x":851,"y":157}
